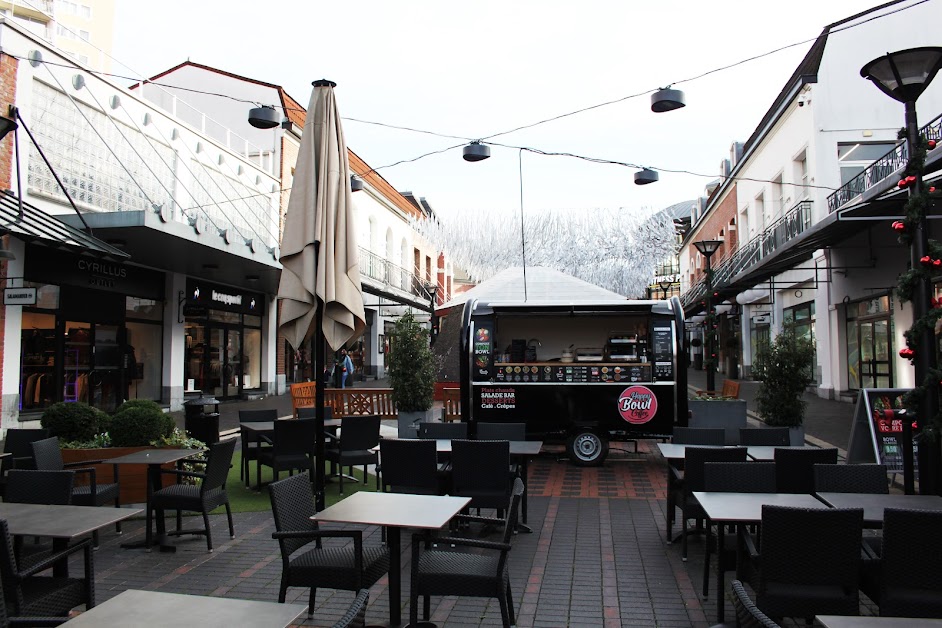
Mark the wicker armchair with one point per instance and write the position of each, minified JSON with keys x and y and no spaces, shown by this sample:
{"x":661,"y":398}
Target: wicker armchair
{"x":18,"y":443}
{"x":409,"y":466}
{"x":732,"y":477}
{"x":359,"y":437}
{"x":29,"y":595}
{"x":808,"y":562}
{"x":794,"y":468}
{"x":481,"y":574}
{"x":479,"y":471}
{"x":305,"y":562}
{"x":768,"y":436}
{"x":203,"y":498}
{"x":26,"y":486}
{"x":693,"y":480}
{"x":291,"y":448}
{"x":907,"y":580}
{"x":715,"y":436}
{"x":748,"y":614}
{"x":851,"y":478}
{"x":48,"y":457}
{"x":355,"y":617}
{"x":250,"y":446}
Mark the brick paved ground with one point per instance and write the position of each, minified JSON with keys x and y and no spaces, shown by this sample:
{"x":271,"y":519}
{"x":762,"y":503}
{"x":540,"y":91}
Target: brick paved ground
{"x":596,"y":558}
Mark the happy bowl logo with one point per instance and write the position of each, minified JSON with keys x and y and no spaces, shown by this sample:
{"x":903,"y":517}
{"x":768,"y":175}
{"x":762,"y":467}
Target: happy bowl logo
{"x":637,"y":404}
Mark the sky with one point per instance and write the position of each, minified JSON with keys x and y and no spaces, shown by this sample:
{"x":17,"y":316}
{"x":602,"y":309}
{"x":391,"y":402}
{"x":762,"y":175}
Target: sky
{"x":474,"y":69}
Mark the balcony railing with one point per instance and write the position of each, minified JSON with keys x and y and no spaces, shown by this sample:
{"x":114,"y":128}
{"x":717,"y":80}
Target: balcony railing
{"x":880,"y":169}
{"x":394,"y":277}
{"x":750,"y":254}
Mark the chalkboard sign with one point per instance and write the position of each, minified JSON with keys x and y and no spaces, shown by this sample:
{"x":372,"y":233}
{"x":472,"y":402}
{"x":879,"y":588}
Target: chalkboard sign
{"x":877,"y":433}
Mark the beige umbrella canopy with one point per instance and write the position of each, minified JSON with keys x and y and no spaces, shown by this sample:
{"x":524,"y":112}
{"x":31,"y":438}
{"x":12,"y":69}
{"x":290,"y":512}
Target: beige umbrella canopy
{"x":319,"y":247}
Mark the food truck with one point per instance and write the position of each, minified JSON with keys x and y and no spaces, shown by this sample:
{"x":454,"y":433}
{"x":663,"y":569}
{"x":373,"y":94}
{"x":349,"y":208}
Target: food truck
{"x":586,"y":373}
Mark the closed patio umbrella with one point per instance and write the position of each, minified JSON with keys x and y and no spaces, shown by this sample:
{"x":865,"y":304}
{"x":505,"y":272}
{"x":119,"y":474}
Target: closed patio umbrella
{"x":320,"y":290}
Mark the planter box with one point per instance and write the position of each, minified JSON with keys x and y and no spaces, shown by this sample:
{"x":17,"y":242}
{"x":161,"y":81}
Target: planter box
{"x":132,"y":477}
{"x":409,"y":422}
{"x":797,"y":436}
{"x":727,"y":414}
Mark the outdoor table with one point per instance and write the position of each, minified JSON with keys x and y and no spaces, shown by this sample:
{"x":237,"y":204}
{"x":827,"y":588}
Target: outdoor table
{"x":844,"y":621}
{"x":156,"y":609}
{"x":394,"y":511}
{"x":743,"y":508}
{"x":873,"y":504}
{"x":154,"y":459}
{"x":61,"y":523}
{"x":677,"y":451}
{"x":767,"y":452}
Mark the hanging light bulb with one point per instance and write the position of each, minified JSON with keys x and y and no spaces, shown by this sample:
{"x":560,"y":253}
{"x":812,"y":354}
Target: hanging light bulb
{"x":476,"y":151}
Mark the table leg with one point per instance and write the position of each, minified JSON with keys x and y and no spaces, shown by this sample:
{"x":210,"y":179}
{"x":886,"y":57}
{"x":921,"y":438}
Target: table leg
{"x":153,"y":484}
{"x":61,"y":568}
{"x":395,"y":575}
{"x":522,"y":526}
{"x":720,"y":593}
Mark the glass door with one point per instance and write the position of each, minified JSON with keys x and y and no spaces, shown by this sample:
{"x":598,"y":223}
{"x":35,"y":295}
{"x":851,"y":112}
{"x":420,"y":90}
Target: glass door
{"x":875,"y":364}
{"x":92,"y":365}
{"x":224,"y":369}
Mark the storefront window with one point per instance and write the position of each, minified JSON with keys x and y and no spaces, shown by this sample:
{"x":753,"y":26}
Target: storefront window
{"x":142,"y":365}
{"x":869,"y":344}
{"x":252,"y":358}
{"x":145,"y":309}
{"x":38,"y":361}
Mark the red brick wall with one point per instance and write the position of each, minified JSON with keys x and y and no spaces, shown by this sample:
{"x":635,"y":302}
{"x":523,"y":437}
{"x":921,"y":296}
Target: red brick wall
{"x":715,"y":227}
{"x":8,"y":69}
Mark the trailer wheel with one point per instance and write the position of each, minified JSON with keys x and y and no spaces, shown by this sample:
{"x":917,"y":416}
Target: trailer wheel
{"x":587,"y":448}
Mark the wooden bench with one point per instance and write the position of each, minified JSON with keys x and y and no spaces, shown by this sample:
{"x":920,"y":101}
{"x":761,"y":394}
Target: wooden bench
{"x":451,"y":398}
{"x":730,"y":390}
{"x":361,"y":402}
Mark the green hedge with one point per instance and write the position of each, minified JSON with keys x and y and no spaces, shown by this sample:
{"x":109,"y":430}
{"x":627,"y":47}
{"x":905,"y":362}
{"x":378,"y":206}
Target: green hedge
{"x":138,"y":424}
{"x":74,"y":421}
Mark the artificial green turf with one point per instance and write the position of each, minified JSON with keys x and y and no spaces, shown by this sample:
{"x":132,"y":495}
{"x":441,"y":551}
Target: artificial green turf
{"x":243,"y":499}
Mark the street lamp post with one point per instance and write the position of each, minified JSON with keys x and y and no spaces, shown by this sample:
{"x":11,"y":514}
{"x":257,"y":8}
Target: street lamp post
{"x":707,"y":248}
{"x":665,"y":287}
{"x":904,"y":76}
{"x":432,"y":290}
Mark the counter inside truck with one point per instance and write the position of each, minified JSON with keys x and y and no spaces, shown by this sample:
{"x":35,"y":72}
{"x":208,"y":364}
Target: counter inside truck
{"x":584,"y":373}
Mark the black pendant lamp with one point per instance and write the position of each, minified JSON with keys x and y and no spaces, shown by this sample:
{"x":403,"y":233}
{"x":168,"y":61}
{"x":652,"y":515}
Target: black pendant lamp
{"x":265,"y":117}
{"x":667,"y":99}
{"x":645,"y":176}
{"x":356,"y":183}
{"x":476,"y":151}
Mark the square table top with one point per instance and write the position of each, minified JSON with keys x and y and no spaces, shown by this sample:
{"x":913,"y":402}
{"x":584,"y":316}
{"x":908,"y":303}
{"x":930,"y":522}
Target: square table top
{"x":269,"y":426}
{"x":747,"y":507}
{"x":873,"y":504}
{"x":156,"y":609}
{"x":677,"y":451}
{"x":844,"y":621}
{"x":402,"y":510}
{"x":154,"y":456}
{"x":60,"y":522}
{"x":517,"y":447}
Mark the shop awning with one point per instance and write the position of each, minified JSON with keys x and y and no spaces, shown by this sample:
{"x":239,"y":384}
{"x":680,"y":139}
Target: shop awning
{"x":38,"y":227}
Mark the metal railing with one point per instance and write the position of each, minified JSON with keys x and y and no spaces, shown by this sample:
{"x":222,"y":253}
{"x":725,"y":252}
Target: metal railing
{"x":393,"y":276}
{"x":880,"y":169}
{"x":750,"y":254}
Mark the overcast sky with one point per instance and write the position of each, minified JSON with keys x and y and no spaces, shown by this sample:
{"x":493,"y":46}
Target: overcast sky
{"x":473,"y":69}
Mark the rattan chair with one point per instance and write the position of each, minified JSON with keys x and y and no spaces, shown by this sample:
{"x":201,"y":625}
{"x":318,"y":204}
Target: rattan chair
{"x":18,"y":443}
{"x":292,"y":448}
{"x":305,"y":562}
{"x":715,"y":436}
{"x":807,"y":561}
{"x":29,"y":595}
{"x":203,"y":498}
{"x":409,"y":466}
{"x":768,"y":436}
{"x":748,"y":614}
{"x":794,"y":468}
{"x":907,"y":580}
{"x":479,"y":471}
{"x":483,"y":573}
{"x":695,"y":458}
{"x":851,"y":478}
{"x":732,"y":477}
{"x":355,"y":617}
{"x":250,"y":445}
{"x":29,"y":486}
{"x":48,"y":457}
{"x":356,"y":445}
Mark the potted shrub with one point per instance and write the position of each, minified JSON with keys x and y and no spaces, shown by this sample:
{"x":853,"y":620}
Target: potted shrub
{"x":411,"y":374}
{"x":88,"y":434}
{"x":784,"y":370}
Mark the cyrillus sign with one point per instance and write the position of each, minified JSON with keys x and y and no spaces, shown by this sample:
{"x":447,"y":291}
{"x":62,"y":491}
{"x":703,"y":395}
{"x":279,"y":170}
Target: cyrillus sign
{"x":637,"y":404}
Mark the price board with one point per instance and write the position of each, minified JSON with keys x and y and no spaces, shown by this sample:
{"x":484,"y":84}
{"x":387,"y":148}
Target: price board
{"x":877,"y":432}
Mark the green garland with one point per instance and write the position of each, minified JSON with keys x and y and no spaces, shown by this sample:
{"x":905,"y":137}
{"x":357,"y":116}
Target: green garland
{"x":915,"y":209}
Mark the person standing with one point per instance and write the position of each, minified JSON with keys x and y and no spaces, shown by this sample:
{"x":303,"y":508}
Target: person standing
{"x":347,"y":365}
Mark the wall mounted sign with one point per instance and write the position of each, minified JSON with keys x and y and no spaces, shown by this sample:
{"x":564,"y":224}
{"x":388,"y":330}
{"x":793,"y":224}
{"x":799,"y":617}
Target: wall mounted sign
{"x":19,"y":296}
{"x":203,"y":294}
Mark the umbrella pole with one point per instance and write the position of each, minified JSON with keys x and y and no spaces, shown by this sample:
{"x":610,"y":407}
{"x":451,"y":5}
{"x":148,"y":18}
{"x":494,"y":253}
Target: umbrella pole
{"x":320,"y":360}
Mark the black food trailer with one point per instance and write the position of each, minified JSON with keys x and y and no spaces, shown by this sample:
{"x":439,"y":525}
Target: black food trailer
{"x":584,"y":372}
